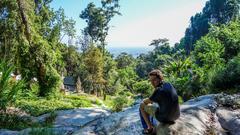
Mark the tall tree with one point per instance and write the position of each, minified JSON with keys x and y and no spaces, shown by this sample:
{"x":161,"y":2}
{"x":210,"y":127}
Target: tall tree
{"x":38,"y":50}
{"x":98,"y":19}
{"x":93,"y":61}
{"x":34,"y":40}
{"x":72,"y":59}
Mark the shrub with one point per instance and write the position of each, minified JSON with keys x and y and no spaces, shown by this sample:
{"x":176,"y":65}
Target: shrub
{"x":50,"y":119}
{"x":42,"y":131}
{"x":143,"y":87}
{"x":14,"y":122}
{"x":8,"y":87}
{"x":38,"y":106}
{"x":118,"y":103}
{"x":50,"y":84}
{"x":227,"y":77}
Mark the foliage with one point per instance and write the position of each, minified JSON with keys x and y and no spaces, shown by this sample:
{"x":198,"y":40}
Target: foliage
{"x":229,"y":36}
{"x":111,"y":76}
{"x":124,"y":60}
{"x":93,"y":62}
{"x":98,"y":19}
{"x":143,"y":87}
{"x":34,"y":29}
{"x":185,"y":76}
{"x":127,"y":77}
{"x":214,"y":12}
{"x":227,"y":78}
{"x":208,"y":52}
{"x":40,"y":106}
{"x":72,"y":59}
{"x":14,"y":122}
{"x":119,"y":103}
{"x":8,"y":86}
{"x":42,"y":131}
{"x":161,"y":46}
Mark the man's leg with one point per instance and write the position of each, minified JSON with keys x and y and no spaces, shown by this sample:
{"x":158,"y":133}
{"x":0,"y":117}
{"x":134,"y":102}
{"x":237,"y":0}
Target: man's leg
{"x":144,"y":124}
{"x":145,"y":116}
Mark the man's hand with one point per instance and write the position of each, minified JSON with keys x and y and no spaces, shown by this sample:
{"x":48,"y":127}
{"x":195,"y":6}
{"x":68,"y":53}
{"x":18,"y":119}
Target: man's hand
{"x":147,"y":101}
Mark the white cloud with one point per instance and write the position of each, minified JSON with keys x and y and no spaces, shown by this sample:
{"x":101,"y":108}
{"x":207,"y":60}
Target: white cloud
{"x":140,"y":32}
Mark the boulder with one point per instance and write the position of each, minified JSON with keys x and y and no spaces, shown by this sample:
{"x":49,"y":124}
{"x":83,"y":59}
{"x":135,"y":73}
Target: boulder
{"x":230,"y":120}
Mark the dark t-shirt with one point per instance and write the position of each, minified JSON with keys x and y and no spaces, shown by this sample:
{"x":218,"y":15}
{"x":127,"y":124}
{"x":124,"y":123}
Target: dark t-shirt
{"x":166,"y":97}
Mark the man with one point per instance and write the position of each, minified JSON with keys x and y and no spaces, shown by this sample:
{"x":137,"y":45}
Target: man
{"x":165,"y":96}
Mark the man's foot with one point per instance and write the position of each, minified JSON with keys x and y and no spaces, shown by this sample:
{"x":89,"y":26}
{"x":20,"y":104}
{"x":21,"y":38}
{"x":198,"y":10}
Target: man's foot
{"x":147,"y":131}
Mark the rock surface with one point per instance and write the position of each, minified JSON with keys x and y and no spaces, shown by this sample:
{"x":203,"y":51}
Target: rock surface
{"x":230,"y":120}
{"x":66,"y":121}
{"x":76,"y":117}
{"x":126,"y":123}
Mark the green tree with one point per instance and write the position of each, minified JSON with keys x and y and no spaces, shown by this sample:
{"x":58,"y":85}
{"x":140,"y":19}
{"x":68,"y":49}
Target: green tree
{"x":37,"y":49}
{"x":98,"y":19}
{"x":208,"y":52}
{"x":93,"y":62}
{"x":34,"y":41}
{"x":124,"y":60}
{"x":161,"y":46}
{"x":72,"y":59}
{"x":127,"y":77}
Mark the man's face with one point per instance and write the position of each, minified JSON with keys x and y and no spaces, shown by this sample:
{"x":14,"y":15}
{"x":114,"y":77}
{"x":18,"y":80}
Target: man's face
{"x":154,"y":81}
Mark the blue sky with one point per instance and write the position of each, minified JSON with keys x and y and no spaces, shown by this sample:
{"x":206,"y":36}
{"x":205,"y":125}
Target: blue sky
{"x":141,"y":20}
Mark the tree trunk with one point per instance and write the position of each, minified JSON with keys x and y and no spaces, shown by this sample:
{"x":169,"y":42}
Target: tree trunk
{"x":24,"y":18}
{"x":41,"y":80}
{"x":104,"y":94}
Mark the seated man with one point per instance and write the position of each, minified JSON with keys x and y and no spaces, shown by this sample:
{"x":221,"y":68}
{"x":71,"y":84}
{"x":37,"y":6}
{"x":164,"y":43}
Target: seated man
{"x":165,"y":96}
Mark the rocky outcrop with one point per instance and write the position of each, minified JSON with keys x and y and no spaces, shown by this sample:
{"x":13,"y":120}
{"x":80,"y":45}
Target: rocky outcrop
{"x":197,"y":118}
{"x":200,"y":116}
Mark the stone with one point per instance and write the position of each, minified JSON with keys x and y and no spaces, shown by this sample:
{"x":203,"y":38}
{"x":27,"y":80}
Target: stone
{"x":230,"y":120}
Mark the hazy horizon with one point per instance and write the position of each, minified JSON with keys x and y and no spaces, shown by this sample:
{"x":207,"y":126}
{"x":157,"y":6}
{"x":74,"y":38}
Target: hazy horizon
{"x":140,"y":24}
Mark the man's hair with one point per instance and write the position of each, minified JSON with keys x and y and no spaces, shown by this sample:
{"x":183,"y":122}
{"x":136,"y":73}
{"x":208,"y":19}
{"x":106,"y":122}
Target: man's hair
{"x":157,"y":73}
